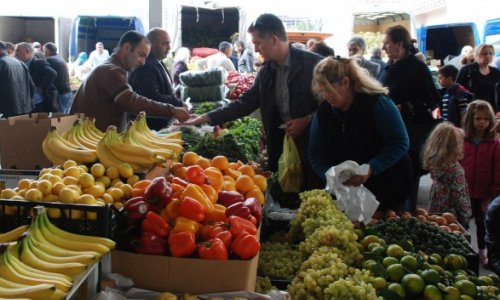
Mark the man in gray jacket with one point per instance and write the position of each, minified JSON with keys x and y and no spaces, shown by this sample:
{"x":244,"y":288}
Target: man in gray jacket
{"x":16,"y":86}
{"x":357,"y":47}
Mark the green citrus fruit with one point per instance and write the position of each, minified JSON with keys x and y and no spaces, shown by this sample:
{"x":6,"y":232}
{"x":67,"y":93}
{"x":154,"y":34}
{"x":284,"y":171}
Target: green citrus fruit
{"x":395,"y":272}
{"x":413,"y":284}
{"x":397,"y":289}
{"x":379,"y":283}
{"x":389,"y":261}
{"x":395,"y":251}
{"x":431,"y":292}
{"x":409,"y":262}
{"x":431,"y":276}
{"x":466,"y":287}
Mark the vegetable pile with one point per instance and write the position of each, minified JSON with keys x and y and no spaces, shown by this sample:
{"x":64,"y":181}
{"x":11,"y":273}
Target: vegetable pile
{"x":242,"y":82}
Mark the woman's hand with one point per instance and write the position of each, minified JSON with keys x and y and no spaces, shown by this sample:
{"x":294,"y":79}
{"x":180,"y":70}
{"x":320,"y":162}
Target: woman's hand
{"x":295,"y":127}
{"x":194,"y":120}
{"x":358,"y":180}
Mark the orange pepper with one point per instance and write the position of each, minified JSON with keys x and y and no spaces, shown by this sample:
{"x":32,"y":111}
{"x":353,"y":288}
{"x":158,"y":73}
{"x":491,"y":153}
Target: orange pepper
{"x":210,"y":192}
{"x":184,"y":224}
{"x":215,"y":178}
{"x":139,"y":188}
{"x":218,"y":214}
{"x":164,"y":214}
{"x":196,"y":192}
{"x":172,"y":209}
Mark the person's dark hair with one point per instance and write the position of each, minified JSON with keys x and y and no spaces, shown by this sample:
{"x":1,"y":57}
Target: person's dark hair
{"x":448,"y":71}
{"x":132,"y":37}
{"x":399,"y":34}
{"x":358,"y":41}
{"x":51,"y":47}
{"x":3,"y":49}
{"x":377,"y":52}
{"x":322,"y":49}
{"x":224,"y":45}
{"x":240,"y":44}
{"x":267,"y":25}
{"x":152,"y":35}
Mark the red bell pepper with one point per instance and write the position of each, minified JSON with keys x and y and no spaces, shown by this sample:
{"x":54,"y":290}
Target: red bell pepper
{"x":245,"y":245}
{"x":195,"y":174}
{"x":152,"y":244}
{"x":136,"y":209}
{"x":156,"y":224}
{"x":239,"y":225}
{"x":213,"y":249}
{"x":182,"y":244}
{"x":192,"y":209}
{"x":208,"y":231}
{"x":238,"y":209}
{"x":227,"y":198}
{"x":226,"y":237}
{"x":158,"y":194}
{"x":179,"y":181}
{"x":255,"y":208}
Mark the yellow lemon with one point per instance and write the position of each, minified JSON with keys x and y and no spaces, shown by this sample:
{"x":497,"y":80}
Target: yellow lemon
{"x":50,"y":198}
{"x":86,"y":199}
{"x":34,"y":195}
{"x":33,"y":184}
{"x":127,"y":191}
{"x":83,"y":168}
{"x":107,"y":198}
{"x":56,"y":188}
{"x":44,"y":171}
{"x":44,"y":186}
{"x":55,"y":179}
{"x":8,"y":193}
{"x":112,"y":173}
{"x":86,"y":180}
{"x":117,"y":182}
{"x":21,"y":193}
{"x":57,"y":172}
{"x":54,"y":213}
{"x":116,"y":193}
{"x":70,"y":180}
{"x":104,"y":180}
{"x":97,"y":190}
{"x":132,"y":179}
{"x":73,"y":172}
{"x":23,"y":183}
{"x":68,"y":195}
{"x":69,"y":163}
{"x":97,"y":170}
{"x":75,"y":188}
{"x":125,"y":170}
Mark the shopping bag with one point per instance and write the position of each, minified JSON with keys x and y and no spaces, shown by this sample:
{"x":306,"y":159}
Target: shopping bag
{"x":290,"y":174}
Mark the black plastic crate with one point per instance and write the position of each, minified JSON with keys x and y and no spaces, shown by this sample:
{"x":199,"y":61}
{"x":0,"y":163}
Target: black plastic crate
{"x":103,"y":225}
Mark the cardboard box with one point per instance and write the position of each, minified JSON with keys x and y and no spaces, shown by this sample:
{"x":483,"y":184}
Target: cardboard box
{"x":21,"y":139}
{"x":9,"y":178}
{"x":185,"y":275}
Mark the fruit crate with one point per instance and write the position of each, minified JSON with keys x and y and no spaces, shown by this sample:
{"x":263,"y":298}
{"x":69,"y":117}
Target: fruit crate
{"x":94,"y":220}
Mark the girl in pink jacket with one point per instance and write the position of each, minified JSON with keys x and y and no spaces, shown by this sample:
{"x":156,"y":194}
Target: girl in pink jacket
{"x":481,"y":163}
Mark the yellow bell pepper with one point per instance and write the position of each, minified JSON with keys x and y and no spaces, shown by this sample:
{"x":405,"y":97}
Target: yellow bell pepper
{"x":183,"y":224}
{"x":219,"y":214}
{"x":210,"y":192}
{"x":196,"y":192}
{"x":172,"y":209}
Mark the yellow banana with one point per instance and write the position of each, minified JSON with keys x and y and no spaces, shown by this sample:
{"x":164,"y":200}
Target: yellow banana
{"x":71,"y":136}
{"x":76,"y":237}
{"x":85,"y":139}
{"x":83,"y":259}
{"x":71,"y":269}
{"x":49,"y":153}
{"x":142,"y":125}
{"x":61,"y":148}
{"x":13,"y":235}
{"x":89,"y":124}
{"x":125,"y":153}
{"x":61,"y":281}
{"x":39,"y":291}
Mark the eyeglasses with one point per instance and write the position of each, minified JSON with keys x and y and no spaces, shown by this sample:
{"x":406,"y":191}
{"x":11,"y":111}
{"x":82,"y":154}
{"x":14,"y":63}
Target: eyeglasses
{"x":258,"y":23}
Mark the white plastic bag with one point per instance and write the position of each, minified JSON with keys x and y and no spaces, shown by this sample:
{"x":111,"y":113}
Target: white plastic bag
{"x":358,"y":203}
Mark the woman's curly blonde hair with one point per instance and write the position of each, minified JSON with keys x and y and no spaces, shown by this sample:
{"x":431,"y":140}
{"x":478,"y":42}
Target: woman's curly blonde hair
{"x":443,"y":147}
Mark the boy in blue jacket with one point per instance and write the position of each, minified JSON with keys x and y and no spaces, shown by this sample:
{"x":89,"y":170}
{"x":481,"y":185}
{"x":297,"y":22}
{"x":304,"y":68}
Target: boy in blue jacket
{"x":455,"y":97}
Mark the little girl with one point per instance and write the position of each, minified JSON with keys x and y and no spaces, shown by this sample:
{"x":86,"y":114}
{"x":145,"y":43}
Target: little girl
{"x":481,"y":163}
{"x":441,"y":155}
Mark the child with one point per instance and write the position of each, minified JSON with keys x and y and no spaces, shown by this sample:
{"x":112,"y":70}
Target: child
{"x":481,"y":163}
{"x":441,"y":155}
{"x":455,"y":97}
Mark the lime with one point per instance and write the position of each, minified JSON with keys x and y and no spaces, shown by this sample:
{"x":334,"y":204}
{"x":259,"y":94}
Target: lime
{"x":461,"y":277}
{"x":395,"y":272}
{"x":397,"y":289}
{"x":431,"y":276}
{"x":431,"y":292}
{"x":484,"y":280}
{"x":373,"y":245}
{"x":395,"y":251}
{"x":455,"y":261}
{"x":435,"y":258}
{"x":438,"y":268}
{"x":466,"y":287}
{"x":367,"y":264}
{"x":451,"y":293}
{"x":409,"y":262}
{"x":466,"y":297}
{"x":379,"y":283}
{"x":377,"y":250}
{"x":413,"y":284}
{"x":367,"y":240}
{"x":389,"y":261}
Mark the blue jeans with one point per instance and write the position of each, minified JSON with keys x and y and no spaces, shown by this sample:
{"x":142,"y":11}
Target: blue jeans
{"x":65,"y":101}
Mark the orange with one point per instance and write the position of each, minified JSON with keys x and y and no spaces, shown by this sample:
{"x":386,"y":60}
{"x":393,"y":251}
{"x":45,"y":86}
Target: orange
{"x":233,"y":166}
{"x":255,"y":193}
{"x":228,"y":178}
{"x":261,"y":182}
{"x":220,"y":162}
{"x":229,"y":186}
{"x":189,"y":158}
{"x":180,"y":172}
{"x":141,"y":184}
{"x":175,"y":167}
{"x":203,"y":162}
{"x":247,"y":170}
{"x":244,"y":183}
{"x":233,"y":173}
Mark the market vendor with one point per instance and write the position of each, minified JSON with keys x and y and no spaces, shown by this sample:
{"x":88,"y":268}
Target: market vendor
{"x":357,"y":121}
{"x":282,"y":91}
{"x":106,"y":95}
{"x":493,"y":235}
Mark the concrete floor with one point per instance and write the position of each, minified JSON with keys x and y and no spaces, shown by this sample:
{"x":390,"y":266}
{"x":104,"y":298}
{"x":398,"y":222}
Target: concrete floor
{"x":423,"y":202}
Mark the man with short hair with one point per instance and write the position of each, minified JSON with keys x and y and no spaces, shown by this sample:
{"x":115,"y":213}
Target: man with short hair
{"x":16,"y":86}
{"x":10,"y":48}
{"x":282,"y":91}
{"x":62,"y":80}
{"x":98,"y":56}
{"x":377,"y":57}
{"x":152,"y":80}
{"x":45,"y":98}
{"x":356,"y":47}
{"x":221,"y":58}
{"x":106,"y":94}
{"x":37,"y":50}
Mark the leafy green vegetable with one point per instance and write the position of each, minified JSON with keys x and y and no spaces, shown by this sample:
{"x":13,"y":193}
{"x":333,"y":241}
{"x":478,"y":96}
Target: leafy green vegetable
{"x":211,"y":146}
{"x":247,"y":132}
{"x":205,"y":107}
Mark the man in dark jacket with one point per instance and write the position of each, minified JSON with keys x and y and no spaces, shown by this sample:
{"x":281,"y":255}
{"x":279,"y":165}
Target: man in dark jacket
{"x":43,"y":76}
{"x":62,"y":80}
{"x":282,"y":91}
{"x":493,"y":235}
{"x":16,"y":87}
{"x":152,"y":80}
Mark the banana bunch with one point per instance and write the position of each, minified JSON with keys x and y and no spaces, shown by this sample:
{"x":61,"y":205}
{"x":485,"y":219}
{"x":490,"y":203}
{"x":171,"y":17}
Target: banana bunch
{"x":138,"y":133}
{"x":83,"y":134}
{"x":58,"y":150}
{"x":13,"y":235}
{"x":43,"y":264}
{"x":112,"y":152}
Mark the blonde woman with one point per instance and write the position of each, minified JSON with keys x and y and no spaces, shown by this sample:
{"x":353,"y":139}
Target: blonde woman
{"x":357,"y":121}
{"x":441,"y":155}
{"x":480,"y":78}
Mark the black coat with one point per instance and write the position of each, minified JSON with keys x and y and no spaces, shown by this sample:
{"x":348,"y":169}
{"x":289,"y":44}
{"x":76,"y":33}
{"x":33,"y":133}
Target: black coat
{"x":61,"y":83}
{"x":483,"y":87}
{"x":44,"y":77}
{"x":492,"y":239}
{"x":262,"y":95}
{"x":150,"y":80}
{"x":16,"y":87}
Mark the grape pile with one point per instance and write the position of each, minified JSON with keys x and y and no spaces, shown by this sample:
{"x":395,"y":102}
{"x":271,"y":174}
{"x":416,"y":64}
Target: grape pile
{"x":279,"y":260}
{"x":263,"y":285}
{"x":328,"y":245}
